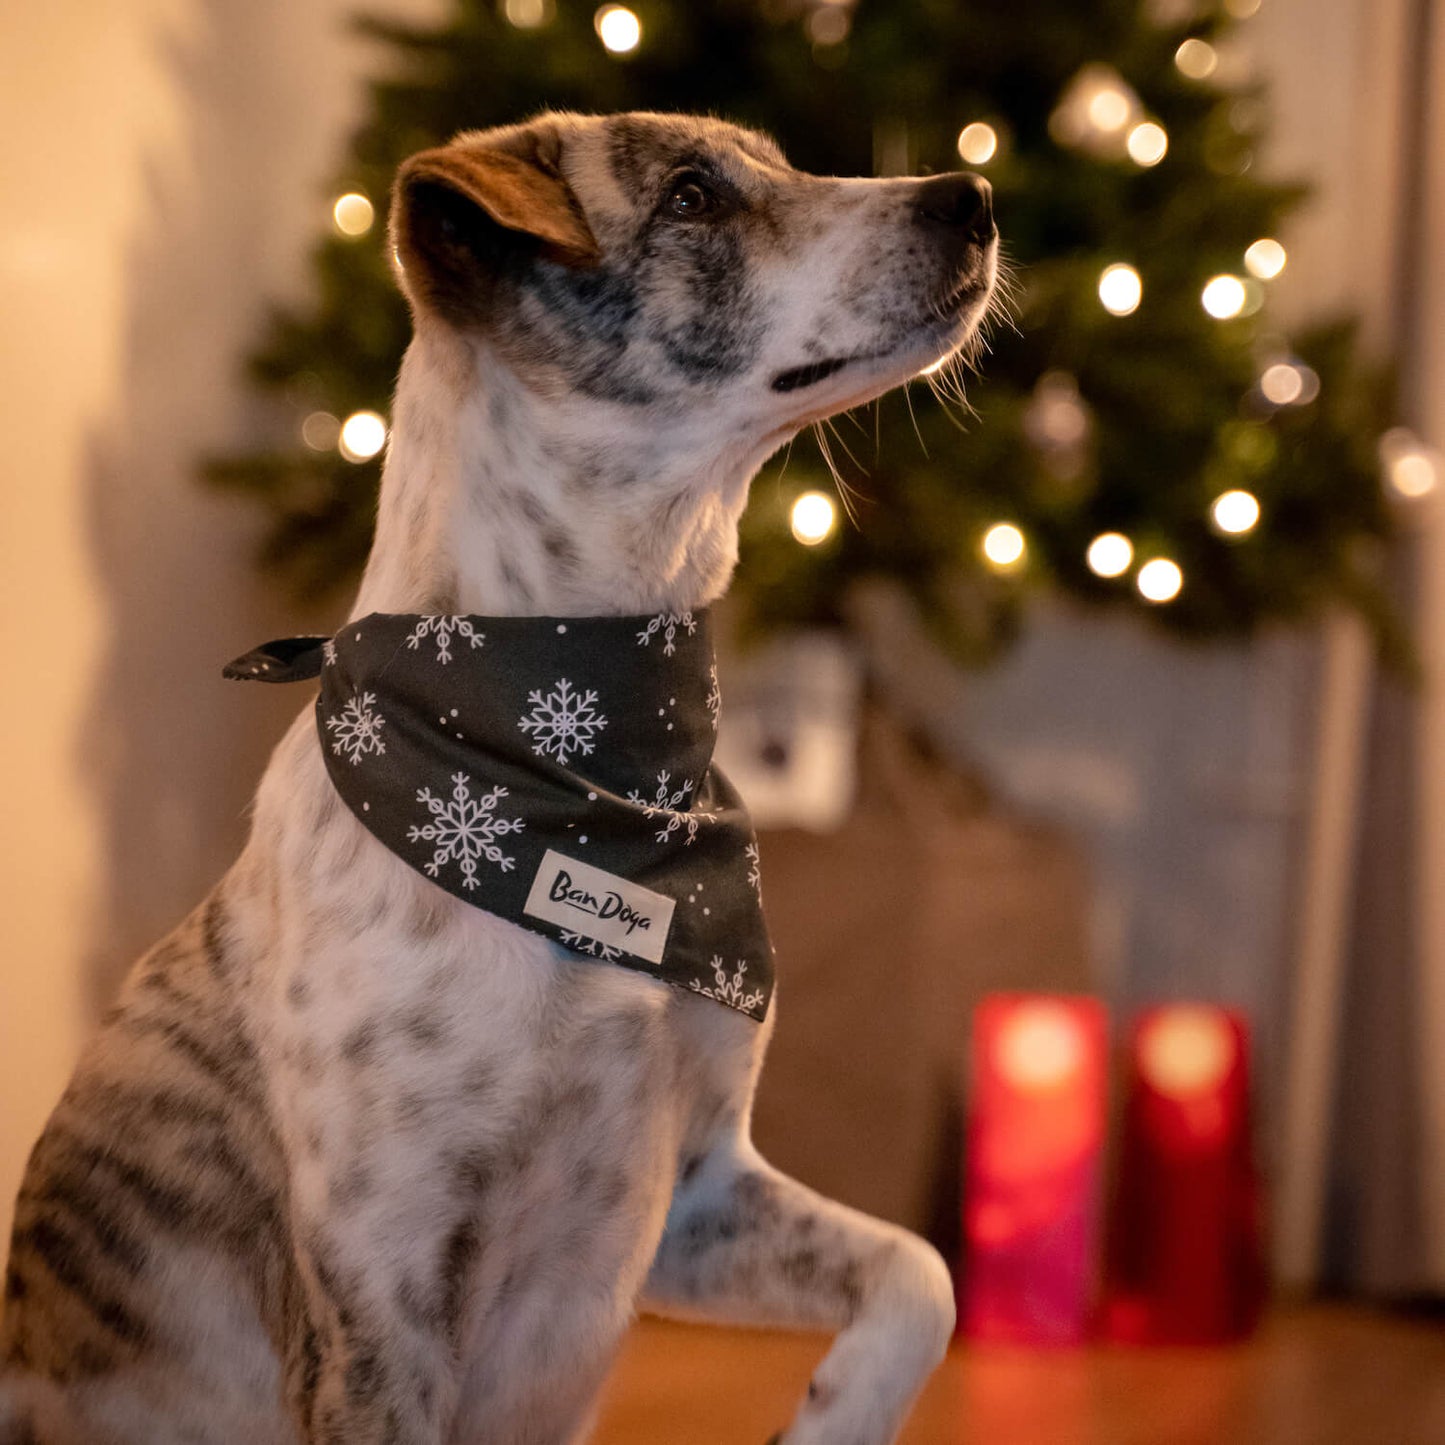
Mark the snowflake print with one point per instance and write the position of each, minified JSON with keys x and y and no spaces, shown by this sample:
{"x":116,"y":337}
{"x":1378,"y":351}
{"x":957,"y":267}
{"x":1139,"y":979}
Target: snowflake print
{"x":328,"y":652}
{"x":464,"y":829}
{"x":732,"y":991}
{"x":673,"y":805}
{"x":755,"y":869}
{"x":563,"y":722}
{"x":357,"y":728}
{"x":667,"y":623}
{"x":444,"y":629}
{"x":593,"y":946}
{"x":714,"y":696}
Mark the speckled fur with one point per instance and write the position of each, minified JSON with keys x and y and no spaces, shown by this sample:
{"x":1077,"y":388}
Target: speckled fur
{"x":352,"y":1161}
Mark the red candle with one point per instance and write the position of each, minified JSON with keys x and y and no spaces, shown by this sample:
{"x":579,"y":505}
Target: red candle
{"x":1185,"y":1262}
{"x":1034,"y":1147}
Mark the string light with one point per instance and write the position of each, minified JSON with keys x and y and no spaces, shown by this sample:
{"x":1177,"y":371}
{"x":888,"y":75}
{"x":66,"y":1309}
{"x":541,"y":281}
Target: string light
{"x":1224,"y":297}
{"x":1110,"y":554}
{"x":813,"y":517}
{"x":829,"y":25}
{"x":528,"y":14}
{"x":353,"y":214}
{"x":1253,"y":296}
{"x":1095,"y":111}
{"x":1289,"y":383}
{"x":1160,"y":580}
{"x":618,"y":28}
{"x":1282,"y":383}
{"x":1147,"y":143}
{"x":1109,"y":108}
{"x":1265,"y":258}
{"x":1242,"y":9}
{"x":320,"y":431}
{"x":1003,"y":545}
{"x":1235,"y":512}
{"x":1056,"y":416}
{"x":978,"y":143}
{"x":1197,"y":59}
{"x":1411,"y":469}
{"x":1120,"y":289}
{"x":363,"y":434}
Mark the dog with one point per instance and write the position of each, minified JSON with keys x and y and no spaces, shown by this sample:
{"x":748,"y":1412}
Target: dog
{"x":353,"y":1161}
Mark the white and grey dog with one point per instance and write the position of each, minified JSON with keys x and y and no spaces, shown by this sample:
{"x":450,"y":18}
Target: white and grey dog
{"x":354,"y":1161}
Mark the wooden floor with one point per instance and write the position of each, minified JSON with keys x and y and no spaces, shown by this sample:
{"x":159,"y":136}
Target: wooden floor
{"x":1311,"y":1377}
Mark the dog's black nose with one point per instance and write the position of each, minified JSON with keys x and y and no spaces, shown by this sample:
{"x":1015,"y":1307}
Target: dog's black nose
{"x":958,"y":201}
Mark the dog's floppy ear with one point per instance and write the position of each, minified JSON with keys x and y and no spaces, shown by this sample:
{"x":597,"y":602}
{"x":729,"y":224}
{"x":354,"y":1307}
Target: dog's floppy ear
{"x":462,"y":211}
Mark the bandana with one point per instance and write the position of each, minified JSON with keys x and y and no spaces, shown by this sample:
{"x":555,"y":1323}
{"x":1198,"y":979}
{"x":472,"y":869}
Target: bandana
{"x":555,"y":772}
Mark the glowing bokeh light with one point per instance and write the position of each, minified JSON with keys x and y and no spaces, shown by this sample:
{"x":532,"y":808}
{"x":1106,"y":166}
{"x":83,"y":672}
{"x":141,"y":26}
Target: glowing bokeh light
{"x":1039,"y":1047}
{"x":363,"y":434}
{"x":1265,"y":258}
{"x":1110,"y":554}
{"x":1186,"y":1051}
{"x":1109,"y":109}
{"x":813,"y":517}
{"x":528,"y":14}
{"x":829,"y":25}
{"x":1160,"y":580}
{"x":1147,"y":143}
{"x":1197,"y":59}
{"x":1224,"y":297}
{"x":353,"y":214}
{"x":320,"y":431}
{"x":1411,"y":468}
{"x":617,"y":28}
{"x":1235,"y":512}
{"x":978,"y":143}
{"x":1282,"y":383}
{"x":1120,"y":289}
{"x":1003,"y":545}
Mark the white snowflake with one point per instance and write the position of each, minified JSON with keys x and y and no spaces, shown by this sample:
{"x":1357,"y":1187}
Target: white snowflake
{"x":444,"y":629}
{"x":673,"y":806}
{"x":592,"y":946}
{"x":563,"y":722}
{"x":464,"y":829}
{"x":328,"y":652}
{"x":755,"y":869}
{"x":357,"y":728}
{"x":733,"y":991}
{"x":667,"y":623}
{"x":714,"y":696}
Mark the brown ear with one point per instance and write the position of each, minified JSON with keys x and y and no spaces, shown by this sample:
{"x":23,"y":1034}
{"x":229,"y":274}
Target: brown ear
{"x":459,"y":210}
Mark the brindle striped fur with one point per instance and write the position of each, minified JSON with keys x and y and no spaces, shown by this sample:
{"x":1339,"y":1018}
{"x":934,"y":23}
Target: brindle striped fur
{"x":351,"y":1161}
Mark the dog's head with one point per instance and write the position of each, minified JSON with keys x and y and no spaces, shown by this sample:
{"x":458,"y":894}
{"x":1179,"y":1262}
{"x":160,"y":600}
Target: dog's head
{"x":673,"y":263}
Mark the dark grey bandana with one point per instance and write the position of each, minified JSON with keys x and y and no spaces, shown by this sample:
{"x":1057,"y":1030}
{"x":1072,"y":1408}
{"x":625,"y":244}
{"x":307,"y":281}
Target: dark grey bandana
{"x":556,"y":772}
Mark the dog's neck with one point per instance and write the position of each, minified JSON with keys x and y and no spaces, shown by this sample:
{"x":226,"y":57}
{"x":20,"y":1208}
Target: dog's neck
{"x":497,"y":501}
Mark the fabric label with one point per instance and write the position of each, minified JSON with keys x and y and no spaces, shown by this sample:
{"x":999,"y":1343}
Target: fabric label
{"x":599,"y":905}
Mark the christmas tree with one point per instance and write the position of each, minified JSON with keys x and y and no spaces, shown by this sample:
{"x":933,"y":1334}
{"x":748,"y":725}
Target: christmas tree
{"x":1140,"y":437}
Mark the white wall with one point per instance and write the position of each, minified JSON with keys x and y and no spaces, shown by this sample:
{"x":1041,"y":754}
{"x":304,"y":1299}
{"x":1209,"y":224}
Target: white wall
{"x":163,"y":167}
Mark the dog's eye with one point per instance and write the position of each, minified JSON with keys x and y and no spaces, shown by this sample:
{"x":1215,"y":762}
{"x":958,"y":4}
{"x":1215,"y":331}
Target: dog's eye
{"x":689,"y":199}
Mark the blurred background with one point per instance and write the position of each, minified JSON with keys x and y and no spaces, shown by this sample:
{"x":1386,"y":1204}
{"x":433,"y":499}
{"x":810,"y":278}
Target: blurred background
{"x":1122,"y":680}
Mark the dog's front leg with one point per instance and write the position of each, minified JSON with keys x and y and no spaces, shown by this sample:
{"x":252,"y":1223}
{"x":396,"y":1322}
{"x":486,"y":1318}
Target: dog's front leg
{"x":747,"y":1245}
